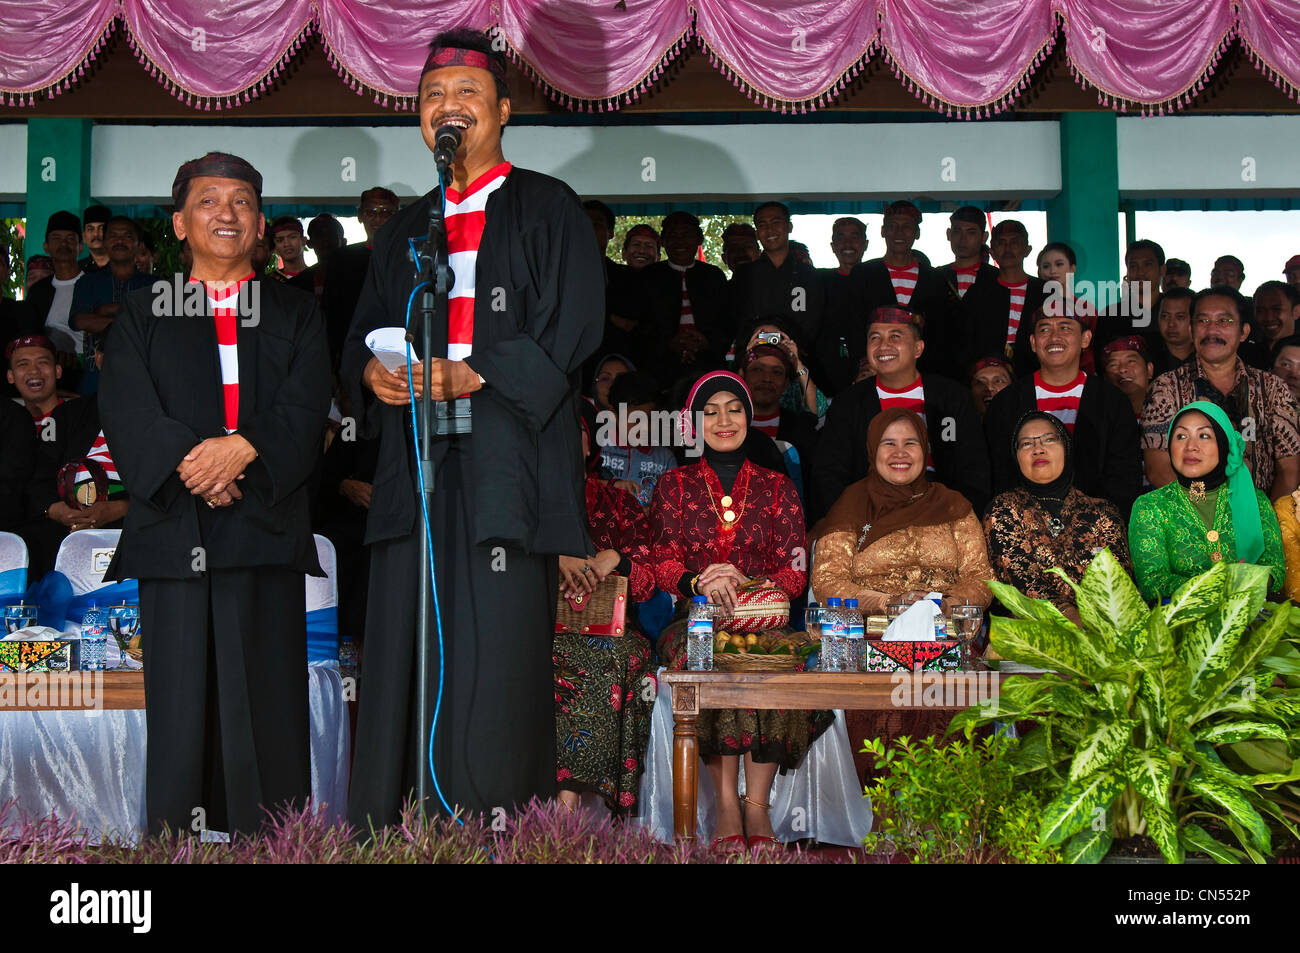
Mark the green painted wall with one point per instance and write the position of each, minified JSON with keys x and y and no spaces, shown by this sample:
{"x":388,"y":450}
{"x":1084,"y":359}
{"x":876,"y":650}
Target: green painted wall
{"x":58,"y":172}
{"x":1085,"y":213}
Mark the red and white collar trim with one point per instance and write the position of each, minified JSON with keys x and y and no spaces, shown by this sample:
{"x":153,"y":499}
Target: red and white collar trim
{"x":491,"y":175}
{"x":229,"y":289}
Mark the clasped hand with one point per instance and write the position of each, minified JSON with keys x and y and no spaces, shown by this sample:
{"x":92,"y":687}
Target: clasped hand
{"x":580,"y":575}
{"x":721,"y":582}
{"x":212,"y":468}
{"x":447,"y":380}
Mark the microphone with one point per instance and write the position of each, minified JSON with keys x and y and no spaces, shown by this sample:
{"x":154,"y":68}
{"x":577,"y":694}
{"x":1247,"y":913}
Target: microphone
{"x":446,"y":142}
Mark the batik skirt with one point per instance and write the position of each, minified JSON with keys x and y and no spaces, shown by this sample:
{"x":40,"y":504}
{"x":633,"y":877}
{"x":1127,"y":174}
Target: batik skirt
{"x":604,"y":693}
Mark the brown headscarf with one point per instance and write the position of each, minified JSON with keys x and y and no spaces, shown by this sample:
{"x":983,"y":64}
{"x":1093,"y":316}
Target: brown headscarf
{"x":873,"y":507}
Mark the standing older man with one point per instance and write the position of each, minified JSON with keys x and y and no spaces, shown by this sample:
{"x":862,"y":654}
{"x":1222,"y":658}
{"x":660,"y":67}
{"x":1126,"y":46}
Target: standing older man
{"x":525,"y":311}
{"x":1257,"y":402}
{"x":214,"y":402}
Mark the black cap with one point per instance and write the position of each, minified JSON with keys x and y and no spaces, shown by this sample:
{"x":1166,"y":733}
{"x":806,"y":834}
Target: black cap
{"x":97,"y":214}
{"x":63,"y":222}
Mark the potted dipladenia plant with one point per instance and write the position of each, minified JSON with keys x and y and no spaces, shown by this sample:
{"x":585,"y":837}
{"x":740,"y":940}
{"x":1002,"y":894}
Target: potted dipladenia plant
{"x":1180,"y":722}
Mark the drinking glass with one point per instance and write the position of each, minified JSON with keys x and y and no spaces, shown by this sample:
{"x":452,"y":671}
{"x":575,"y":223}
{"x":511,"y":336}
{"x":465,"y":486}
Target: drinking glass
{"x":19,"y":617}
{"x":124,"y":622}
{"x":967,"y":620}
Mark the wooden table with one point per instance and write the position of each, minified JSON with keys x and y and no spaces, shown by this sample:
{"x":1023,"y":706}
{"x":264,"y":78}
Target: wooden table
{"x":71,"y":691}
{"x":693,"y":691}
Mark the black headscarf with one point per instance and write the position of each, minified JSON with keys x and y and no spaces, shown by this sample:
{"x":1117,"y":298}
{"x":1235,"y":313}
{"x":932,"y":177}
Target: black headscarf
{"x":725,"y":464}
{"x":1216,"y":477}
{"x":1051,"y":495}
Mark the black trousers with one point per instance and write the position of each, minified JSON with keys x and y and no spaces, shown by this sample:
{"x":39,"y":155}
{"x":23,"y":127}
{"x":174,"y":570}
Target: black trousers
{"x":495,"y":741}
{"x":225,"y":683}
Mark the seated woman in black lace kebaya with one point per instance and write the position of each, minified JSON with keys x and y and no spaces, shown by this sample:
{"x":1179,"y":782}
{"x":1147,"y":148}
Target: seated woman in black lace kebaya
{"x":1046,"y":522}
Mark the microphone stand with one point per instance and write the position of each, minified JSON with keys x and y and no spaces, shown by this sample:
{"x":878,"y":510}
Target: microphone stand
{"x":436,"y":274}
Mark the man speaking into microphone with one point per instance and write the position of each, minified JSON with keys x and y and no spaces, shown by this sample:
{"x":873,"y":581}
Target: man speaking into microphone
{"x":526,"y":307}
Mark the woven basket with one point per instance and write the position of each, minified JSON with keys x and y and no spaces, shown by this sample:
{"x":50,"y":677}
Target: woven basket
{"x":601,"y":613}
{"x":727,"y":662}
{"x":757,"y":610}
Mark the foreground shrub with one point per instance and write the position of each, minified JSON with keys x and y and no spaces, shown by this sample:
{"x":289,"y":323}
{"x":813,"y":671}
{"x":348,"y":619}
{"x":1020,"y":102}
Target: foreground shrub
{"x":955,"y":803}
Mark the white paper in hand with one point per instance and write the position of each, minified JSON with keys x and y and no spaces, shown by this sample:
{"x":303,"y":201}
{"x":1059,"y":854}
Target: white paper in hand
{"x":389,"y":345}
{"x":914,"y":625}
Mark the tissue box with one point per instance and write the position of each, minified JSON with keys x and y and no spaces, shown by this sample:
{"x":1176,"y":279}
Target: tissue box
{"x":39,"y":655}
{"x":938,"y":656}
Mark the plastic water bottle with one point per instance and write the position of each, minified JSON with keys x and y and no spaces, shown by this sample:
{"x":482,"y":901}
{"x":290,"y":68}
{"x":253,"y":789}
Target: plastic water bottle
{"x":835,"y":635}
{"x":94,"y":639}
{"x":699,"y":636}
{"x":856,"y":645}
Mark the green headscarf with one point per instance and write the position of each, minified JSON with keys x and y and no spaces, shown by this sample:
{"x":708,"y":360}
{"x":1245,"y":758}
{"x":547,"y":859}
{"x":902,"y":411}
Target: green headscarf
{"x":1247,"y":530}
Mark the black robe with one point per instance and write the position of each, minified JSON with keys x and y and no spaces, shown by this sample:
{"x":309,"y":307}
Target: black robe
{"x":984,"y":315}
{"x":75,"y":426}
{"x":1107,"y":455}
{"x":758,"y":289}
{"x":507,"y":498}
{"x":345,"y":275}
{"x":661,"y":286}
{"x":221,"y":590}
{"x":625,"y":297}
{"x":960,"y":463}
{"x":17,"y":460}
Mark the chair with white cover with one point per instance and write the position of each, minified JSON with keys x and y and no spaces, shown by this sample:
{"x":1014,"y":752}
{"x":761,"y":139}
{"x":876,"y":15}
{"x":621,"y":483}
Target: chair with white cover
{"x":331,"y":734}
{"x":83,"y":558}
{"x":13,"y":565}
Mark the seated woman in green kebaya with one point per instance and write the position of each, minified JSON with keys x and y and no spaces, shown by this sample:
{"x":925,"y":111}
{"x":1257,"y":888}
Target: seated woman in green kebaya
{"x":1210,"y":512}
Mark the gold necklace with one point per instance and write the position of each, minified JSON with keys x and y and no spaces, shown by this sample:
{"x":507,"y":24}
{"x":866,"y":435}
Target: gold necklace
{"x":1196,"y":494}
{"x":728,"y":516}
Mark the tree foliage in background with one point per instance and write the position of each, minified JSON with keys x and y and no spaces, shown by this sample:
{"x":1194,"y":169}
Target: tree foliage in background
{"x":11,"y":238}
{"x":167,"y":247}
{"x":712,"y":225}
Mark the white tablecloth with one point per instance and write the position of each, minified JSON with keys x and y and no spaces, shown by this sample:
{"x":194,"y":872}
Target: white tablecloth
{"x":91,"y":764}
{"x":822,"y":799}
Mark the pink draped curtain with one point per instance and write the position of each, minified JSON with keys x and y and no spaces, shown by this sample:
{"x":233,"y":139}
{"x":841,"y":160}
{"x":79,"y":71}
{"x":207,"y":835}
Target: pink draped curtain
{"x":786,"y":51}
{"x":971,"y":58}
{"x":933,"y":44}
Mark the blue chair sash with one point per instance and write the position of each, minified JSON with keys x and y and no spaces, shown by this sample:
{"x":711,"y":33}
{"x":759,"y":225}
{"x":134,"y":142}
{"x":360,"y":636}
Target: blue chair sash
{"x":61,"y":609}
{"x":115,"y":593}
{"x":13,"y":586}
{"x":323,"y":635}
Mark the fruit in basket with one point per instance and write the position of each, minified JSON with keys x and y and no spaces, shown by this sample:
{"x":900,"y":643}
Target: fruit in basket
{"x":739,"y":642}
{"x":751,"y":640}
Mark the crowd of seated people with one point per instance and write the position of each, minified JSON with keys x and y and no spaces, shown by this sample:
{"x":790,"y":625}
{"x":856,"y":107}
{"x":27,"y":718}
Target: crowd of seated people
{"x":878,"y":430}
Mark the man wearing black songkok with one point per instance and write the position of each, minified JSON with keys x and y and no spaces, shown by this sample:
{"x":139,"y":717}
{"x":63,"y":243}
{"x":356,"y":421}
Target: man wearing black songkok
{"x":214,"y":398}
{"x":525,"y":310}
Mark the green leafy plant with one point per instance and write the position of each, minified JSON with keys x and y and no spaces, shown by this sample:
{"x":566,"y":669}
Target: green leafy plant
{"x":1165,"y":721}
{"x":958,"y":802}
